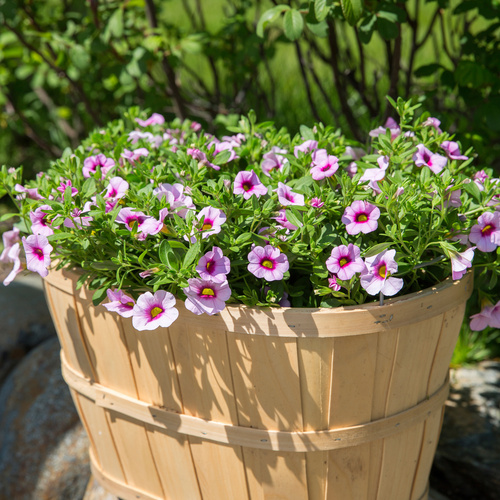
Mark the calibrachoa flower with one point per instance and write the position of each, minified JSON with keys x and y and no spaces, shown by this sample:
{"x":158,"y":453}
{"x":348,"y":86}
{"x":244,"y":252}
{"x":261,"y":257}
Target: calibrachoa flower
{"x":489,"y":316}
{"x":332,"y":283}
{"x":12,"y":256}
{"x":144,"y":223}
{"x":78,"y":220}
{"x":154,"y":119}
{"x":433,"y":122}
{"x":39,"y":224}
{"x":345,"y":261}
{"x":452,"y":150}
{"x":31,"y":193}
{"x":425,"y":158}
{"x":206,"y":296}
{"x":361,"y":216}
{"x":214,"y":266}
{"x":376,"y":277}
{"x":460,"y":262}
{"x":153,"y":311}
{"x":64,"y":185}
{"x":133,"y":156}
{"x":116,"y":188}
{"x":390,"y":124}
{"x":248,"y":184}
{"x":287,"y":197}
{"x":9,"y":238}
{"x":119,"y":303}
{"x":211,"y":220}
{"x":323,"y":165}
{"x":306,"y":147}
{"x":175,"y":197}
{"x":316,"y":203}
{"x":283,"y":221}
{"x":37,"y":249}
{"x":201,"y":157}
{"x":91,"y":163}
{"x":273,"y":160}
{"x":486,"y":233}
{"x":268,"y":263}
{"x":373,"y":175}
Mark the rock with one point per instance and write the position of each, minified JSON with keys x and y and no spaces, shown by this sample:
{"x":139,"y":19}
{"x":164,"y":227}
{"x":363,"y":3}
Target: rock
{"x":43,"y":448}
{"x":26,"y":321}
{"x":467,"y":462}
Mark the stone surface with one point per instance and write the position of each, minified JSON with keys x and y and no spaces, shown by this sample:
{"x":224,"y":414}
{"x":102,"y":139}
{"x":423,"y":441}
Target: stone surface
{"x":43,"y":448}
{"x":25,"y":321}
{"x":467,"y":463}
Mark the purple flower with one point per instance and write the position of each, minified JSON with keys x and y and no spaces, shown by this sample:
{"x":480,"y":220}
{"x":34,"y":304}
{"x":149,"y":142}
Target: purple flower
{"x":306,"y":147}
{"x":91,"y":163}
{"x":489,"y":316}
{"x":64,"y":185}
{"x":433,"y":122}
{"x":206,"y":296}
{"x":332,"y":283}
{"x":78,"y":220}
{"x":345,"y":261}
{"x":373,"y":175}
{"x":316,"y":202}
{"x":31,"y":193}
{"x":268,"y":263}
{"x":37,"y":249}
{"x":351,"y":169}
{"x":486,"y":234}
{"x":460,"y":262}
{"x":390,"y":124}
{"x":116,"y":188}
{"x":361,"y":216}
{"x":452,"y":150}
{"x":323,"y":164}
{"x":9,"y":238}
{"x":211,"y":220}
{"x":120,"y":303}
{"x":355,"y":153}
{"x":287,"y":197}
{"x":248,"y":184}
{"x":214,"y":266}
{"x":153,"y":311}
{"x":144,"y":223}
{"x":39,"y":224}
{"x":283,"y":221}
{"x":201,"y":157}
{"x":273,"y":160}
{"x":223,"y":146}
{"x":195,"y":126}
{"x":12,"y":255}
{"x":425,"y":158}
{"x":154,"y":119}
{"x":376,"y":278}
{"x":175,"y":197}
{"x":133,"y":156}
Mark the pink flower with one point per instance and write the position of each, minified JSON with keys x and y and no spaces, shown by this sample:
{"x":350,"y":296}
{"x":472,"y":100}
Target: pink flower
{"x":273,"y":160}
{"x":355,"y":153}
{"x":119,"y":303}
{"x":153,"y":311}
{"x":361,"y":216}
{"x":332,"y":283}
{"x":175,"y":197}
{"x":390,"y":124}
{"x":486,"y":234}
{"x":323,"y":165}
{"x":136,"y":135}
{"x":283,"y":221}
{"x":345,"y":261}
{"x":376,"y":278}
{"x":195,"y":126}
{"x":201,"y":157}
{"x":452,"y":150}
{"x":351,"y":169}
{"x":133,"y":156}
{"x":78,"y":220}
{"x":489,"y":316}
{"x":306,"y":147}
{"x":248,"y":184}
{"x":223,"y":146}
{"x":214,"y":266}
{"x":460,"y":262}
{"x":480,"y":177}
{"x":268,"y":263}
{"x":143,"y":223}
{"x":206,"y":296}
{"x":39,"y":224}
{"x":31,"y":193}
{"x":9,"y":238}
{"x":12,"y":255}
{"x":154,"y":119}
{"x":116,"y":188}
{"x":37,"y":249}
{"x":433,"y":122}
{"x":64,"y":185}
{"x":373,"y":175}
{"x":452,"y":198}
{"x":211,"y":220}
{"x":287,"y":197}
{"x":316,"y":202}
{"x":425,"y":158}
{"x":91,"y":163}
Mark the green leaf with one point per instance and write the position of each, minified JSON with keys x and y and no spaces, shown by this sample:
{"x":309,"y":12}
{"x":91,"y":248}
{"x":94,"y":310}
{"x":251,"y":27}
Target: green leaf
{"x":306,"y":132}
{"x":376,"y":249}
{"x":167,"y":255}
{"x":191,"y":255}
{"x":472,"y":74}
{"x":293,"y":24}
{"x":473,"y":189}
{"x":353,"y":10}
{"x":268,"y":17}
{"x":7,"y":217}
{"x":318,"y":29}
{"x":428,"y":69}
{"x":320,"y":9}
{"x":387,"y":29}
{"x":292,"y":218}
{"x":115,"y":23}
{"x":366,"y":28}
{"x":79,"y":57}
{"x":99,"y":296}
{"x":222,"y":157}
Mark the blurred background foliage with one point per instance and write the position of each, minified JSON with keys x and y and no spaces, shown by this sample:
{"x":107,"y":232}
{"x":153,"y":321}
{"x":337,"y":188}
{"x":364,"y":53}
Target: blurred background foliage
{"x":67,"y":66}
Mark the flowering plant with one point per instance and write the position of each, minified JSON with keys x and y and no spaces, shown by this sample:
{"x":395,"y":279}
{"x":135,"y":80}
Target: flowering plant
{"x":151,"y":212}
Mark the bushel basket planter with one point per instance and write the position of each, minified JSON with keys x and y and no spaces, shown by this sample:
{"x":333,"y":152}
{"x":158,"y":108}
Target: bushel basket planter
{"x":288,"y":403}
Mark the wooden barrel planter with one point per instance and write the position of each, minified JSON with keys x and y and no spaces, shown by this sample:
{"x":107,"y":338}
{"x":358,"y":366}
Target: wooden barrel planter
{"x":254,"y":404}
